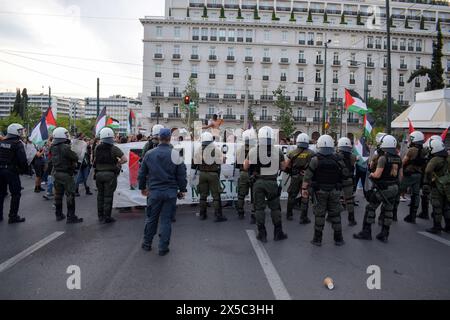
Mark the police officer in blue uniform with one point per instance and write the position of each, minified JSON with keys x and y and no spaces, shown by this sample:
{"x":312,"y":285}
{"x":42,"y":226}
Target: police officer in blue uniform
{"x":13,"y":162}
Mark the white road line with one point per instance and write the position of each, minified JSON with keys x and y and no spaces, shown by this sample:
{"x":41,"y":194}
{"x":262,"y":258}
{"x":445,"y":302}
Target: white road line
{"x":25,"y":253}
{"x":434,"y":237}
{"x":279,"y":290}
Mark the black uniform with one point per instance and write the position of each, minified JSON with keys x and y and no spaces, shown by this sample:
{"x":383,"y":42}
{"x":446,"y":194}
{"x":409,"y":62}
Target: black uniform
{"x":13,"y":162}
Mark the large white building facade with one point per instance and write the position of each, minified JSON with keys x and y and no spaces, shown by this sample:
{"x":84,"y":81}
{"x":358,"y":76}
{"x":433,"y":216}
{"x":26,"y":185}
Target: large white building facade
{"x":282,"y":43}
{"x":42,"y":101}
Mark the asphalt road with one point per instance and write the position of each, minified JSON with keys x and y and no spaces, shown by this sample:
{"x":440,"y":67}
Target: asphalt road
{"x":212,"y":261}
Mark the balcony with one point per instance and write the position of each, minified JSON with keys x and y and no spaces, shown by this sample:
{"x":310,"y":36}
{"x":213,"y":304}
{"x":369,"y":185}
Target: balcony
{"x":285,"y":9}
{"x":229,"y":96}
{"x":176,"y":75}
{"x":174,"y":115}
{"x":300,"y":119}
{"x":230,"y":76}
{"x":329,"y":11}
{"x":301,"y":42}
{"x":195,"y":38}
{"x":402,"y":48}
{"x":176,"y":56}
{"x":265,"y":118}
{"x":403,"y":103}
{"x":335,"y":80}
{"x":214,"y":5}
{"x":378,"y":46}
{"x":158,"y":74}
{"x":319,"y":62}
{"x":212,"y":57}
{"x":248,"y":59}
{"x":317,"y":119}
{"x":231,"y":6}
{"x":250,"y":97}
{"x":156,"y":115}
{"x":174,"y":94}
{"x":240,"y":39}
{"x":352,"y":81}
{"x":194,"y":75}
{"x":195,"y":57}
{"x":401,"y":83}
{"x":384,"y":83}
{"x":403,"y":66}
{"x":212,"y":96}
{"x":336,"y":100}
{"x":212,"y":76}
{"x":394,"y":47}
{"x":370,"y":46}
{"x":231,"y":59}
{"x":248,"y":40}
{"x":350,"y":13}
{"x":158,"y":56}
{"x":313,"y":10}
{"x":229,"y":117}
{"x":196,"y":5}
{"x":301,"y":79}
{"x":213,"y":38}
{"x":157,"y":94}
{"x":265,"y":78}
{"x":248,"y":6}
{"x":353,"y":64}
{"x":310,"y":42}
{"x":318,"y":99}
{"x":410,"y":48}
{"x":419,"y":49}
{"x":301,"y":98}
{"x":336,"y":63}
{"x":266,"y":98}
{"x":370,"y":64}
{"x":204,"y":38}
{"x":318,"y":80}
{"x":266,"y":60}
{"x":283,"y":78}
{"x":369,"y":82}
{"x":301,"y":61}
{"x":267,"y":8}
{"x":352,"y":120}
{"x":284,"y":61}
{"x":417,"y":84}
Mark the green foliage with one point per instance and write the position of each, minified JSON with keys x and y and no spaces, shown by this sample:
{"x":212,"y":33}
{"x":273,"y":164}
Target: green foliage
{"x":222,"y":13}
{"x":292,"y":19}
{"x":190,"y":115}
{"x":325,"y":17}
{"x":205,"y":12}
{"x":378,"y":111}
{"x":309,"y":19}
{"x":359,"y":19}
{"x":436,"y":71}
{"x":286,"y":119}
{"x":12,"y":118}
{"x":32,"y":116}
{"x":17,"y":109}
{"x":256,"y":14}
{"x":274,"y":16}
{"x":251,"y":117}
{"x":239,"y":16}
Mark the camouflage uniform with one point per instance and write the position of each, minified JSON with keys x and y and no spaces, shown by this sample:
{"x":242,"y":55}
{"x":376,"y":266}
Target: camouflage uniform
{"x":347,"y":186}
{"x":244,"y":184}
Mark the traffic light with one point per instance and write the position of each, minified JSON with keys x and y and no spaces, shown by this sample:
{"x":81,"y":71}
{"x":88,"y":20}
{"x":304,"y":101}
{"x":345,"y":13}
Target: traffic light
{"x":187,"y":100}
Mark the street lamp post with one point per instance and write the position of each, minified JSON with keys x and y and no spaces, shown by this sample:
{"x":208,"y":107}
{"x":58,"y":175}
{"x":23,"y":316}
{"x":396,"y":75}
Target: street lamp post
{"x":157,"y":111}
{"x":324,"y":105}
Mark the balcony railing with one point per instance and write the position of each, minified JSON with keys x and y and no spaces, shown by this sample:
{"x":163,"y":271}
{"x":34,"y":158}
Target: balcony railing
{"x":212,"y":96}
{"x":212,"y":76}
{"x":401,"y":83}
{"x":157,"y":94}
{"x":302,"y":61}
{"x":353,"y":120}
{"x":336,"y":100}
{"x":318,"y":80}
{"x":369,"y":82}
{"x":394,"y":47}
{"x":335,"y":80}
{"x":319,"y":61}
{"x":231,"y":59}
{"x":176,"y":56}
{"x":212,"y":57}
{"x":174,"y":94}
{"x":229,"y":117}
{"x":300,"y":119}
{"x":195,"y":57}
{"x":317,"y":119}
{"x":301,"y":79}
{"x":248,"y":59}
{"x":301,"y":42}
{"x":230,"y":76}
{"x":266,"y":98}
{"x":240,"y":39}
{"x":336,"y":63}
{"x":403,"y":102}
{"x":353,"y":63}
{"x":229,"y":97}
{"x":250,"y":97}
{"x":265,"y":118}
{"x":370,"y":64}
{"x":158,"y":74}
{"x":266,"y":60}
{"x":370,"y":46}
{"x":174,"y":115}
{"x":156,"y":115}
{"x":403,"y":66}
{"x":158,"y":56}
{"x":283,"y":78}
{"x":265,"y":78}
{"x":301,"y":98}
{"x":176,"y":75}
{"x":352,"y":81}
{"x":417,"y":84}
{"x":284,"y":60}
{"x":318,"y":99}
{"x":194,"y":75}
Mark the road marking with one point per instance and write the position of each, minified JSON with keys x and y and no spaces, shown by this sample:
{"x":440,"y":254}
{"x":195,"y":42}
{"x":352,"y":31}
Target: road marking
{"x":434,"y":237}
{"x":25,"y":253}
{"x":278,"y":288}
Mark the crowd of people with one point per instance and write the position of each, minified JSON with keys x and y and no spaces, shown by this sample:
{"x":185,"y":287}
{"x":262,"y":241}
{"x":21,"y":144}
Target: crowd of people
{"x":320,"y":170}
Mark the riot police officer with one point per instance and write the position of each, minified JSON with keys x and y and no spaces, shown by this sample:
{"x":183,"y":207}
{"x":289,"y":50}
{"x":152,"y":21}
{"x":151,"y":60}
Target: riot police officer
{"x":345,"y":150}
{"x":13,"y":162}
{"x":244,"y":182}
{"x":325,"y":176}
{"x":64,"y":162}
{"x":108,"y":159}
{"x":385,"y":189}
{"x":208,"y":160}
{"x":296,"y":164}
{"x":264,"y":163}
{"x":436,"y":170}
{"x":413,"y":165}
{"x":154,"y":141}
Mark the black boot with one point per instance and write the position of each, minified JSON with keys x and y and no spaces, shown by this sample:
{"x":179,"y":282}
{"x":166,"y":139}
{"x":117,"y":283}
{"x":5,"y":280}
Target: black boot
{"x":278,"y":233}
{"x":424,"y":214}
{"x":394,"y":215}
{"x":304,"y":218}
{"x":365,"y":234}
{"x":77,"y":193}
{"x":252,"y":219}
{"x":203,"y":216}
{"x":219,"y":215}
{"x":71,"y":217}
{"x":88,"y":191}
{"x":289,"y":216}
{"x":262,"y":233}
{"x":351,"y":219}
{"x":436,"y":229}
{"x":58,"y":212}
{"x":411,"y":218}
{"x":338,"y":239}
{"x":15,"y":219}
{"x":241,"y":215}
{"x":110,"y":220}
{"x":1,"y":218}
{"x":317,"y":240}
{"x":384,"y":234}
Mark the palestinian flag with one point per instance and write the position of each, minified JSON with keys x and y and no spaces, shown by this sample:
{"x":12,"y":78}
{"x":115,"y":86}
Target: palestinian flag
{"x":50,"y":119}
{"x":411,"y":126}
{"x":361,"y":150}
{"x":101,"y":121}
{"x":39,"y":135}
{"x":368,"y":121}
{"x":354,"y":103}
{"x":112,"y":123}
{"x":131,"y":118}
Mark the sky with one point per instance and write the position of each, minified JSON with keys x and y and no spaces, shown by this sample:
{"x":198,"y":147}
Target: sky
{"x":67,"y":44}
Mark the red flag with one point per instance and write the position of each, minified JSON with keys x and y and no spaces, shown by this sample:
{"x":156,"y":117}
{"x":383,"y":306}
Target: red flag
{"x":444,"y":134}
{"x":133,"y":168}
{"x":49,"y":118}
{"x":411,"y":127}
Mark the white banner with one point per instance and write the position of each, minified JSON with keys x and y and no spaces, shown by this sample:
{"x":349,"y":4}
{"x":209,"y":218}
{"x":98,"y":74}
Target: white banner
{"x":30,"y":151}
{"x":129,"y":195}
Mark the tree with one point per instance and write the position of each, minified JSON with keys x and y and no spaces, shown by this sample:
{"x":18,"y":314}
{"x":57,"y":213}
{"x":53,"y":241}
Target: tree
{"x":274,"y":16}
{"x":190,"y":115}
{"x":435,"y":78}
{"x":292,"y":19}
{"x":343,"y":18}
{"x":359,"y":20}
{"x":256,"y":14}
{"x":309,"y":19}
{"x":222,"y":13}
{"x":12,"y":118}
{"x":205,"y":12}
{"x":251,"y":117}
{"x":239,"y":16}
{"x":378,"y":111}
{"x":32,"y":116}
{"x":286,"y":118}
{"x":17,"y":109}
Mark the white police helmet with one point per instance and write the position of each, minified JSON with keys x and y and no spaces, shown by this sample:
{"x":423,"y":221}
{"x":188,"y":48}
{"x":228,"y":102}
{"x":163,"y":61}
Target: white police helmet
{"x":207,"y":137}
{"x":345,"y":144}
{"x":15,"y":129}
{"x":106,"y":133}
{"x":60,"y":133}
{"x":417,"y":137}
{"x":303,"y":140}
{"x":156,"y":129}
{"x":325,"y":144}
{"x":389,"y":144}
{"x":379,"y":136}
{"x":436,"y":146}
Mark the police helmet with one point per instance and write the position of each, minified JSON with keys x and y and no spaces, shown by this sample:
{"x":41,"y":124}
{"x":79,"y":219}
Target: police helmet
{"x":345,"y":145}
{"x":325,"y":144}
{"x":389,"y":144}
{"x":207,"y":137}
{"x":417,"y":137}
{"x":156,"y":129}
{"x":15,"y":129}
{"x":436,"y":146}
{"x":60,"y":133}
{"x":303,"y":141}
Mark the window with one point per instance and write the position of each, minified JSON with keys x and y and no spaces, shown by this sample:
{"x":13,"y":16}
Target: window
{"x":231,"y":35}
{"x":205,"y":34}
{"x":300,"y":92}
{"x":369,"y":78}
{"x":213,"y":33}
{"x":158,"y":50}
{"x":230,"y":52}
{"x":369,"y":59}
{"x":211,"y":109}
{"x":401,"y":80}
{"x":410,"y":44}
{"x":400,"y":97}
{"x":319,"y":57}
{"x":352,"y":77}
{"x":194,"y":71}
{"x":334,"y":94}
{"x":266,"y":35}
{"x":194,"y":50}
{"x":394,"y":44}
{"x":370,"y":42}
{"x":229,"y":110}
{"x":319,"y":39}
{"x":301,"y":76}
{"x":335,"y":76}
{"x":248,"y":52}
{"x":230,"y":73}
{"x":384,"y":95}
{"x":301,"y":38}
{"x":283,"y":76}
{"x":266,"y":53}
{"x":301,"y":57}
{"x":240,"y":35}
{"x":353,"y":56}
{"x":419,"y":45}
{"x":249,"y":35}
{"x":195,"y":33}
{"x":212,"y":51}
{"x":222,"y":35}
{"x":318,"y":76}
{"x":384,"y":79}
{"x":317,"y":94}
{"x":176,"y":50}
{"x":159,"y":31}
{"x":177,"y":32}
{"x":403,"y":44}
{"x":284,"y":54}
{"x":417,"y":82}
{"x":266,"y":73}
{"x":335,"y":57}
{"x":311,"y":38}
{"x":299,"y":112}
{"x":264,"y":112}
{"x":418,"y":62}
{"x":284,"y":36}
{"x":378,"y":43}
